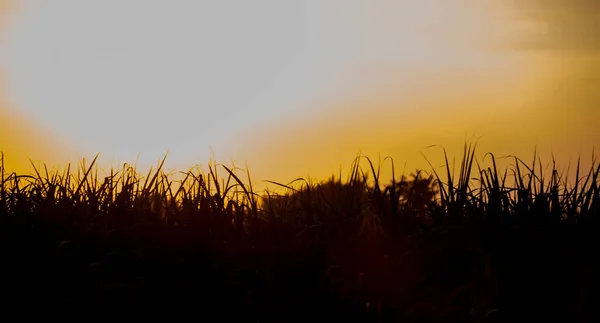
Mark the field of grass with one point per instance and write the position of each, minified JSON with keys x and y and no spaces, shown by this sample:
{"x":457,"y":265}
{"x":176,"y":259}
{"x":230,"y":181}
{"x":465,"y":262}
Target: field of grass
{"x":483,"y":245}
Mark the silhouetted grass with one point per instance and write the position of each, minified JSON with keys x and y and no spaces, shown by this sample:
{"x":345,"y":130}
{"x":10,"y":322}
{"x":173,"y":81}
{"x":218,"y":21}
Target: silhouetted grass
{"x":428,"y":247}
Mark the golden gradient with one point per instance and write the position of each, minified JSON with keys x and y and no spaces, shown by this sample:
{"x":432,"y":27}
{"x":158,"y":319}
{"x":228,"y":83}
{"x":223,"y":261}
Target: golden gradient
{"x":23,"y":138}
{"x":23,"y":141}
{"x":517,"y":75}
{"x":524,"y":99}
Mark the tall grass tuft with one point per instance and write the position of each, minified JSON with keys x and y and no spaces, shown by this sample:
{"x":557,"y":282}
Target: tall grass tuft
{"x":433,"y":245}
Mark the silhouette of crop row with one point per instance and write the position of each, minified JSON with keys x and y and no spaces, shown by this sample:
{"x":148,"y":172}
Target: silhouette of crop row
{"x":428,"y":247}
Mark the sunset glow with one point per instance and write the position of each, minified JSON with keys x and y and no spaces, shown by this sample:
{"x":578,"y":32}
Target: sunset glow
{"x":296,"y":89}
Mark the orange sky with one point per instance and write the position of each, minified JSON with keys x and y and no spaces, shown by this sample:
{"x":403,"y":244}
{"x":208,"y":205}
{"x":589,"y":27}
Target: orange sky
{"x":24,"y":137}
{"x":558,"y":117}
{"x":547,"y":97}
{"x":517,"y":76}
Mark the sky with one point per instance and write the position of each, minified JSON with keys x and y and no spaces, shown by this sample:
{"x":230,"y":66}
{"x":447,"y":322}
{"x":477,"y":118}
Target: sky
{"x":296,"y":88}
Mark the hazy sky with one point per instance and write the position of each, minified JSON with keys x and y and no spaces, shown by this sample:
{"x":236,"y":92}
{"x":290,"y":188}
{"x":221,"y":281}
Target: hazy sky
{"x":297,"y":87}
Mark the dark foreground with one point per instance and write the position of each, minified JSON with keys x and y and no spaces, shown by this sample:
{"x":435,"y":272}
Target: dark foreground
{"x":328,"y":252}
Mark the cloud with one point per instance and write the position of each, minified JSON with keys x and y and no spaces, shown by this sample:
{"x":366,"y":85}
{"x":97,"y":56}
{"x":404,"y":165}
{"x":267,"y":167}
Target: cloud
{"x":562,"y":25}
{"x":567,"y":35}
